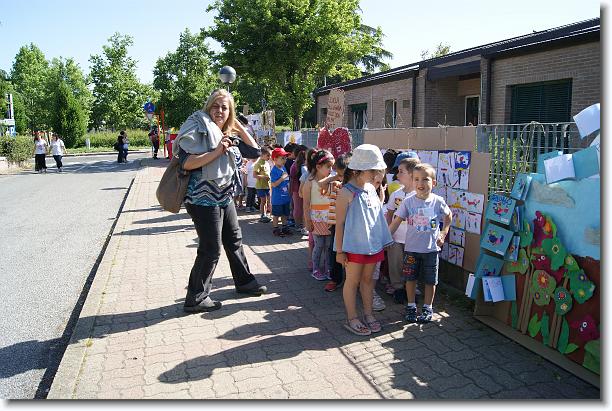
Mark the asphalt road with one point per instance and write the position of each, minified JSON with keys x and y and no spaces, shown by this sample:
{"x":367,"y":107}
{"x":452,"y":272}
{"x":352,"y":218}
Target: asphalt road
{"x":54,"y":228}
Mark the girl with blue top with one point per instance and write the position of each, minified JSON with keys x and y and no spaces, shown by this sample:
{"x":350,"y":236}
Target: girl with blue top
{"x":361,"y":235}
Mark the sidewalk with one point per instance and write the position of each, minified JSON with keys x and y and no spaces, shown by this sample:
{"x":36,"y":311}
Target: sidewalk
{"x":133,"y":340}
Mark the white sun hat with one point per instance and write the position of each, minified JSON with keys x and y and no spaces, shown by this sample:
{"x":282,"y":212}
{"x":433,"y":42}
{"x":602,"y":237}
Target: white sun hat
{"x":367,"y":157}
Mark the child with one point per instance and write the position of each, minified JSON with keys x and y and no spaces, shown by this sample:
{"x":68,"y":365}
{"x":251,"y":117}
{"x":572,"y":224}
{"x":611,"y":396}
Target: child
{"x":294,"y":178}
{"x":380,"y":184}
{"x":303,"y":177}
{"x":279,"y":181}
{"x":337,"y":271}
{"x":250,"y":187}
{"x":361,"y":234}
{"x":395,"y":253}
{"x":424,"y":210}
{"x":316,"y":212}
{"x":261,"y":171}
{"x":239,"y":189}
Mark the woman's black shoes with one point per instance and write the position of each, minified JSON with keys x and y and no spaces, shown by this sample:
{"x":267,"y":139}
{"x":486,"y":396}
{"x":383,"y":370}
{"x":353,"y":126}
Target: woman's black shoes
{"x":202,"y":308}
{"x":252,"y":288}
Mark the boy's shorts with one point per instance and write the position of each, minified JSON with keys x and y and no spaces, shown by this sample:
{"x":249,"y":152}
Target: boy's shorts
{"x":280,"y":210}
{"x":263,"y":192}
{"x":425,"y":264}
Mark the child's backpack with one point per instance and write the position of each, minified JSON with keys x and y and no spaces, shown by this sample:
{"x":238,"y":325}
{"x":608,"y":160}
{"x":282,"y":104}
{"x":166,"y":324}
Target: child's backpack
{"x":116,"y":146}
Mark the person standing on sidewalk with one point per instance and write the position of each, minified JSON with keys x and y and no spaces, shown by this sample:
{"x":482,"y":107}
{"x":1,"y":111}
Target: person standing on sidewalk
{"x":40,"y":153}
{"x":154,"y":137}
{"x":58,"y":149}
{"x":204,"y":147}
{"x":261,"y":171}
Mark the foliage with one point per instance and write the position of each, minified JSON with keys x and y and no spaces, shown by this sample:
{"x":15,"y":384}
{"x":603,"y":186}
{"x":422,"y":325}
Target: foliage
{"x":29,"y":76}
{"x":138,"y":138}
{"x":291,"y":44}
{"x":68,"y":118}
{"x":118,"y":95}
{"x":442,"y":49}
{"x":5,"y":87}
{"x":16,"y":149}
{"x":373,"y":60}
{"x":69,"y":72}
{"x":184,"y":78}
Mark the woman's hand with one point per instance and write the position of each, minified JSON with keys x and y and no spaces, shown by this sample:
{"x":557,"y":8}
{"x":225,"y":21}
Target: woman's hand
{"x":341,"y":258}
{"x":224,"y":144}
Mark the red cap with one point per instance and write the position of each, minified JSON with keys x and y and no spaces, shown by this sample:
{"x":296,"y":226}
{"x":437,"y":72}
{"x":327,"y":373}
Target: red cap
{"x":279,"y":152}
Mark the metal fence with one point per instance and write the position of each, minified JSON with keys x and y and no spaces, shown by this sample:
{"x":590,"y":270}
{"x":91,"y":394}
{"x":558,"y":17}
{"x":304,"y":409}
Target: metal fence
{"x":515,"y":148}
{"x":309,"y":137}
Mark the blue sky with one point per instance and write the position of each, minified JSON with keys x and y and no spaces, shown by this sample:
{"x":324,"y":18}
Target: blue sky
{"x":79,"y":29}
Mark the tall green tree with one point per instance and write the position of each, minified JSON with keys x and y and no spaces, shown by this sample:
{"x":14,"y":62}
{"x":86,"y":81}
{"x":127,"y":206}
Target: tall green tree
{"x":68,"y":117}
{"x":69,"y":72}
{"x":290,"y":44}
{"x":184,"y":78}
{"x":118,"y":95}
{"x":442,"y":49}
{"x":29,"y":78}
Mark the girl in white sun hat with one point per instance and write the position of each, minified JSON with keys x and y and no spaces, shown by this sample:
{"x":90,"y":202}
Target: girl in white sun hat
{"x":362,"y":234}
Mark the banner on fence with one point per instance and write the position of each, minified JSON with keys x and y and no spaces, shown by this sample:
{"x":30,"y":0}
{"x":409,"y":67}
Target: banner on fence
{"x":335,"y":109}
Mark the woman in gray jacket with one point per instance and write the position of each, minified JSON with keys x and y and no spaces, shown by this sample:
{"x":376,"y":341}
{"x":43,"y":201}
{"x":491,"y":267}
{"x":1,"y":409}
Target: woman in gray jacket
{"x":205,"y":148}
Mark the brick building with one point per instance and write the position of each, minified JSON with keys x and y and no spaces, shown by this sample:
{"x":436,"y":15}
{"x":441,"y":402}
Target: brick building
{"x":545,"y":76}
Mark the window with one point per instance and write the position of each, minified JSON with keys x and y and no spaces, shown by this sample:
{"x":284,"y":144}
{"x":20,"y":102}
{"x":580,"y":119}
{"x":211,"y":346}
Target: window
{"x":472,"y":106}
{"x":359,"y":116}
{"x":390,"y":113}
{"x":548,"y":102}
{"x":323,"y":115}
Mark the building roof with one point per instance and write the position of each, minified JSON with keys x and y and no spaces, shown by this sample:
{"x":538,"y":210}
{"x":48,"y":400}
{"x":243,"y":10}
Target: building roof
{"x":587,"y":30}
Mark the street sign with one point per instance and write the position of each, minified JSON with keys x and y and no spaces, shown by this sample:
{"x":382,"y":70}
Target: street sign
{"x":149,"y":107}
{"x":7,"y":121}
{"x":149,"y":115}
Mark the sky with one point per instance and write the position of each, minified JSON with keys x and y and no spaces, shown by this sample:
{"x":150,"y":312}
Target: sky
{"x":79,"y":29}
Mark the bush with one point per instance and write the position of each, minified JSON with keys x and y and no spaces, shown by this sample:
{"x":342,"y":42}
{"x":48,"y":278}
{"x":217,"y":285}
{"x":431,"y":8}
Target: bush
{"x":16,"y":149}
{"x":138,"y":138}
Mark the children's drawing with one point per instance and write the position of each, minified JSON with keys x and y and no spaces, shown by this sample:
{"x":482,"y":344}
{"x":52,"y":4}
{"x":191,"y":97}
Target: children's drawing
{"x":457,"y":198}
{"x":429,"y":157}
{"x":441,"y":191}
{"x":473,"y":222}
{"x":455,"y":255}
{"x":521,"y":186}
{"x":459,"y":218}
{"x":444,"y":252}
{"x":517,"y":217}
{"x":456,"y":236}
{"x":488,"y":265}
{"x":462,"y":169}
{"x":445,"y":175}
{"x":495,"y":239}
{"x":474,"y":202}
{"x":500,"y":208}
{"x":513,"y":249}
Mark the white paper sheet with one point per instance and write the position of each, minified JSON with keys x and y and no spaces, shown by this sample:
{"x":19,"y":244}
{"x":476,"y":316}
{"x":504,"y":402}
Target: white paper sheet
{"x":496,"y":288}
{"x":559,"y":168}
{"x":588,"y":120}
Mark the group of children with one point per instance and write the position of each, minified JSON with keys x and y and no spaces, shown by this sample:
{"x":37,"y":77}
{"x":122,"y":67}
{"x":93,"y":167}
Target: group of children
{"x":358,"y":225}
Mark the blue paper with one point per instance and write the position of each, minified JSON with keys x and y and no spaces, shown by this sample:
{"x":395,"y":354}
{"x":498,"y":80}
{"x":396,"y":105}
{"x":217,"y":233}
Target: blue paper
{"x":500,"y":208}
{"x":509,"y":284}
{"x":496,"y":239}
{"x":546,"y":156}
{"x":513,"y":249}
{"x":521,"y":186}
{"x":488,"y":265}
{"x":586,"y":162}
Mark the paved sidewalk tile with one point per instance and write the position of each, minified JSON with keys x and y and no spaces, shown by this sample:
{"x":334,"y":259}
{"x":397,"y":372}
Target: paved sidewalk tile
{"x":133,"y":340}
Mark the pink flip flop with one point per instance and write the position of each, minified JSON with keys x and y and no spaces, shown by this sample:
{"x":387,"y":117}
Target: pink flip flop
{"x":356,"y":327}
{"x":373,"y":325}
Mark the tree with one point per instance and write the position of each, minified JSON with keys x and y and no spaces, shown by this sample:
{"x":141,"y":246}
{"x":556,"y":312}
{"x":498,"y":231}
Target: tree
{"x":118,"y":95}
{"x":184,"y":78}
{"x":69,"y":72}
{"x":290,"y":44}
{"x":29,"y":77}
{"x":68,"y":118}
{"x":442,"y":49}
{"x":373,"y":60}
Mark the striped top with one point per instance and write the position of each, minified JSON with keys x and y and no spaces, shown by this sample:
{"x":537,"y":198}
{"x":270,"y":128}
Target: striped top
{"x":205,"y":192}
{"x":333,"y":190}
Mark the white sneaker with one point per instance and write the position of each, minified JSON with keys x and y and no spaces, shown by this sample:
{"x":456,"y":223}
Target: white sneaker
{"x":378,"y":304}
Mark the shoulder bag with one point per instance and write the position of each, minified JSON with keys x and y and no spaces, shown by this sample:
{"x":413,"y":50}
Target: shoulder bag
{"x":173,"y":185}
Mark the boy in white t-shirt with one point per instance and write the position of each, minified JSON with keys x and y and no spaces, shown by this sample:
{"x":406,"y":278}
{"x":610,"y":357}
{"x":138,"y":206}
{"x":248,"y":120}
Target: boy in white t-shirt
{"x":251,"y":206}
{"x":395,"y":253}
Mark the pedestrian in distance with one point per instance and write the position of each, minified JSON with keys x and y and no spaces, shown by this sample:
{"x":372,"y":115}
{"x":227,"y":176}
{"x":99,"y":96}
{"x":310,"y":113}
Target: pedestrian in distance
{"x":204,"y":147}
{"x":280,"y":198}
{"x":58,"y":149}
{"x":41,"y":148}
{"x":125,"y":145}
{"x":424,"y":211}
{"x":316,"y":212}
{"x":119,"y":147}
{"x":362,"y":234}
{"x":154,"y":138}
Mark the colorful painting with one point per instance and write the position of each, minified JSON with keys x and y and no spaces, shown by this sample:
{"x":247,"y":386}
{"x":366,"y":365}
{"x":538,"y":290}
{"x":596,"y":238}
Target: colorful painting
{"x":457,"y":198}
{"x":456,"y":237}
{"x":474,"y":202}
{"x":522,"y":182}
{"x":445,"y":168}
{"x":473,"y":222}
{"x":500,"y":208}
{"x":455,"y":255}
{"x":496,"y":239}
{"x":488,"y":265}
{"x":513,"y":249}
{"x":429,"y":157}
{"x":459,"y":218}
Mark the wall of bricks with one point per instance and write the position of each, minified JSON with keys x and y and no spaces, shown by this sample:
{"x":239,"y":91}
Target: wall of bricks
{"x":442,"y":104}
{"x":581,"y":63}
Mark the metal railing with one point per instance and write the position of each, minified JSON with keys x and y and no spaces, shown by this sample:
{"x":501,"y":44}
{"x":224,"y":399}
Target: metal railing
{"x":515,"y":148}
{"x":309,"y":137}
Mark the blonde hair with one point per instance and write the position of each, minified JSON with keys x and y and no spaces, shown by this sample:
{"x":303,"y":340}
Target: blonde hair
{"x":427,"y":169}
{"x":231,"y":119}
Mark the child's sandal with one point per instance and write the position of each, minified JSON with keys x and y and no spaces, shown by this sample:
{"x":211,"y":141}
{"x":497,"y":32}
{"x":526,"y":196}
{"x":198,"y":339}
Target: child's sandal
{"x":356,"y":327}
{"x":374,"y":325}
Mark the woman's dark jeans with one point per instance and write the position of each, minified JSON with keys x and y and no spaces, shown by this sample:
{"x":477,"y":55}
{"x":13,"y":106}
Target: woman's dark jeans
{"x":216,"y":227}
{"x":40,"y":162}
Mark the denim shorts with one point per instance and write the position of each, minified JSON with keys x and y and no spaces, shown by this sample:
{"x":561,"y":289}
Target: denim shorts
{"x":423,"y":264}
{"x":281,"y":210}
{"x":263,"y":192}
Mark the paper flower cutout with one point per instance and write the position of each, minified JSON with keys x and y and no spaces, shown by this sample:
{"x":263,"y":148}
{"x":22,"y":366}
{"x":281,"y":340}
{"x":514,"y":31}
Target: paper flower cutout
{"x":542,"y":286}
{"x":587,"y":328}
{"x":581,"y":287}
{"x":542,"y":262}
{"x":542,"y":228}
{"x":556,"y":251}
{"x":563,"y":301}
{"x":570,"y":263}
{"x":520,"y":265}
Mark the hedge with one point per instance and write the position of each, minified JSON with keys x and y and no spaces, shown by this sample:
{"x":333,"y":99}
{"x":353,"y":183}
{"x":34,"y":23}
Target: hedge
{"x":17,"y":149}
{"x":137,"y":138}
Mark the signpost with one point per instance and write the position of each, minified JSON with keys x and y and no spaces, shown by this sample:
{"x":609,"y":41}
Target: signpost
{"x":335,"y":109}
